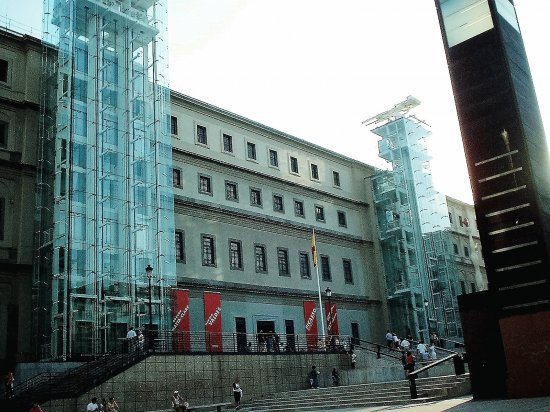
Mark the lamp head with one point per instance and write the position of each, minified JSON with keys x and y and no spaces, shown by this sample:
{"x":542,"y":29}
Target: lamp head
{"x":328,"y":292}
{"x":149,"y":271}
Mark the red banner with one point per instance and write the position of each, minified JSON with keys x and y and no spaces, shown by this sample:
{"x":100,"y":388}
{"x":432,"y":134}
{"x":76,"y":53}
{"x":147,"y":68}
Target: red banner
{"x":213,"y":321}
{"x":332,"y":319}
{"x":180,"y":320}
{"x":310,"y":320}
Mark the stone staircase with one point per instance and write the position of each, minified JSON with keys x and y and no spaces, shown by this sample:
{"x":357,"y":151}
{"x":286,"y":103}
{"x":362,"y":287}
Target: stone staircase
{"x":393,"y":393}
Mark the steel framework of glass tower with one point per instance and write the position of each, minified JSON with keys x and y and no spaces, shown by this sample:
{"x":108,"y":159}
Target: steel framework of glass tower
{"x":414,"y":231}
{"x":104,"y":190}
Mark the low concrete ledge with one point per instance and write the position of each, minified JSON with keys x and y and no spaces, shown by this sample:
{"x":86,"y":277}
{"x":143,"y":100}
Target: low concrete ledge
{"x":211,"y":407}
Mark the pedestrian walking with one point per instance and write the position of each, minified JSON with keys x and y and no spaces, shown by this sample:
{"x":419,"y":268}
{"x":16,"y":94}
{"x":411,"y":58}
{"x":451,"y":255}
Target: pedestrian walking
{"x":335,"y":377}
{"x":409,"y":362}
{"x":389,"y":339}
{"x":432,"y":355}
{"x":396,"y":341}
{"x":422,"y":351}
{"x":237,"y":393}
{"x":314,"y":378}
{"x":140,"y":341}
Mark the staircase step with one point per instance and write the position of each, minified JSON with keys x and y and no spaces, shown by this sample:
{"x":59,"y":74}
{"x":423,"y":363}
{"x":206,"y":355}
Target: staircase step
{"x":364,"y":395}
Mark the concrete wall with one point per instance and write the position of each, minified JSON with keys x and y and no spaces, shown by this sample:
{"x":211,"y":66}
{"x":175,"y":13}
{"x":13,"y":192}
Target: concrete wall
{"x":204,"y":379}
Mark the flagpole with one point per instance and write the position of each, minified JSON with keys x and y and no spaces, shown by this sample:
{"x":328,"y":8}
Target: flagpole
{"x":320,"y":304}
{"x":314,"y":256}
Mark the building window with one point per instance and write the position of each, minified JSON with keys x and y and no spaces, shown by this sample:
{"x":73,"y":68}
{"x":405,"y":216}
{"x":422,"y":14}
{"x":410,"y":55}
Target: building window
{"x":304,"y":266}
{"x":273,"y":158}
{"x":174,"y":125}
{"x":348,"y":274}
{"x":201,"y":135}
{"x":3,"y":134}
{"x":473,"y":285}
{"x":176,"y":177}
{"x":251,"y":151}
{"x":227,"y":143}
{"x":208,"y":251}
{"x":325,"y":269}
{"x":205,"y":184}
{"x":463,"y":287}
{"x":2,"y":216}
{"x":180,"y":246}
{"x":336,"y":179}
{"x":319,"y":213}
{"x":256,"y":197}
{"x":278,"y":205}
{"x":294,"y":165}
{"x":466,"y":251}
{"x":450,"y":218}
{"x":282,"y":258}
{"x":235,"y":255}
{"x":460,"y":221}
{"x":299,"y":208}
{"x":3,"y":71}
{"x":260,"y":259}
{"x":314,"y":172}
{"x":231,"y":191}
{"x":455,"y":248}
{"x":342,"y":219}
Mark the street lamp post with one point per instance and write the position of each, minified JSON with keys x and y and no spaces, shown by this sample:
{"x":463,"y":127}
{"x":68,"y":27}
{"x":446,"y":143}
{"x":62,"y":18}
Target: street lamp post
{"x":329,"y":313}
{"x":427,"y":316}
{"x":149,"y":272}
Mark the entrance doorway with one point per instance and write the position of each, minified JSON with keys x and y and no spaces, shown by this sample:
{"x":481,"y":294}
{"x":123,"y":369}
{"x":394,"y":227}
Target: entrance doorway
{"x":266,"y":335}
{"x":240,"y":329}
{"x":354,"y":333}
{"x":290,"y":338}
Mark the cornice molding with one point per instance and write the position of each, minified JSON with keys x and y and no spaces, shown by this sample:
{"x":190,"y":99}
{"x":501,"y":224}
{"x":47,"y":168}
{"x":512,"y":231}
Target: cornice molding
{"x":181,"y":202}
{"x":281,"y":181}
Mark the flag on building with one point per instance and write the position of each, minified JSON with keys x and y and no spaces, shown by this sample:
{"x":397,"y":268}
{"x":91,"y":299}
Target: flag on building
{"x":313,"y":249}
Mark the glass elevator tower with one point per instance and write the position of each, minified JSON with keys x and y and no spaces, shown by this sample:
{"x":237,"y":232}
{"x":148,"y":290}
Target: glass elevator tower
{"x":414,"y":230}
{"x":104,"y":190}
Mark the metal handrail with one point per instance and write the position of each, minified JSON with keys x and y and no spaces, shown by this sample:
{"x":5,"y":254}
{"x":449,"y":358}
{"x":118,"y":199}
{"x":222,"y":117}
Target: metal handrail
{"x":378,"y":349}
{"x":458,"y":364}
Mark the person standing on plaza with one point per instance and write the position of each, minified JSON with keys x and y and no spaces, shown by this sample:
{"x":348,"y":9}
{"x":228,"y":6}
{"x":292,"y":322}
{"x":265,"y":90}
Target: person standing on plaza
{"x":140,"y":341}
{"x":131,"y":339}
{"x":178,"y":403}
{"x":92,"y":406}
{"x":335,"y":377}
{"x":9,"y":382}
{"x":237,"y":393}
{"x":112,"y":406}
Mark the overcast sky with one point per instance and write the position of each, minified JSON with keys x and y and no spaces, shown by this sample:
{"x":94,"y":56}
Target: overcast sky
{"x":316,"y":69}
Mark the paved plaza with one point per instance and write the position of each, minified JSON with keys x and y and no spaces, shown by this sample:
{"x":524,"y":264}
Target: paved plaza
{"x":467,"y":404}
